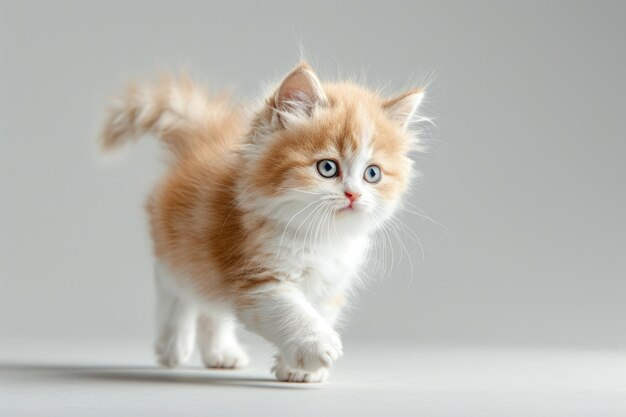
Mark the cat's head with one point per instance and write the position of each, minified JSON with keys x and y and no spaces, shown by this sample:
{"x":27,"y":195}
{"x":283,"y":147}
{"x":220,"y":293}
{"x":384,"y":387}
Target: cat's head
{"x":335,"y":155}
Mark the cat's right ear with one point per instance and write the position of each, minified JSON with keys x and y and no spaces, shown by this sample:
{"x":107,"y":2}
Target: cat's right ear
{"x":298,"y":96}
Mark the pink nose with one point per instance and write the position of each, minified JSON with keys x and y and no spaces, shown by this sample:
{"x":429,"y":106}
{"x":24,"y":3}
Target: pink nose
{"x":352,"y":196}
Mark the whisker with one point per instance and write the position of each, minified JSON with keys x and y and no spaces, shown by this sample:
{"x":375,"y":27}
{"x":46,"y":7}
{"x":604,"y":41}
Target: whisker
{"x":311,"y":223}
{"x":425,"y":216}
{"x":314,"y":211}
{"x":282,"y":237}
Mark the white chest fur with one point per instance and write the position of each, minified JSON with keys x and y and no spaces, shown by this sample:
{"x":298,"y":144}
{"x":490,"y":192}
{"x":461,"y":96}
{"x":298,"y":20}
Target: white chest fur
{"x":321,"y":270}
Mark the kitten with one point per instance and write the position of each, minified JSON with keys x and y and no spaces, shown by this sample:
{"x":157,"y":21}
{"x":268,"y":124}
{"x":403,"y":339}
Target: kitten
{"x":265,"y":220}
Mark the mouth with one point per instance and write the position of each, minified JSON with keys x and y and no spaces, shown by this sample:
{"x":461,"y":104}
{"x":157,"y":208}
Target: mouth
{"x":349,"y":207}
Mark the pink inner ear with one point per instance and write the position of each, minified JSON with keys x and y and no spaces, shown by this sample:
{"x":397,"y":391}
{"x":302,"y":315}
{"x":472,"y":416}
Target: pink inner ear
{"x":296,"y":88}
{"x":403,"y":107}
{"x":299,"y":92}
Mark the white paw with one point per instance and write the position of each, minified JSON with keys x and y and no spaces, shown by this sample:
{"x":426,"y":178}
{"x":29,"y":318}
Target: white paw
{"x":317,"y":351}
{"x":287,"y":374}
{"x":173,"y":351}
{"x":225,"y":357}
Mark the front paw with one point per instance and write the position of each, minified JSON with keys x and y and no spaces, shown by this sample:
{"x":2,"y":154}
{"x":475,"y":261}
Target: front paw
{"x":285,"y":373}
{"x":317,"y":351}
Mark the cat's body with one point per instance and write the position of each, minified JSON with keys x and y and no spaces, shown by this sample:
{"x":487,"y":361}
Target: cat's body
{"x":266,"y":220}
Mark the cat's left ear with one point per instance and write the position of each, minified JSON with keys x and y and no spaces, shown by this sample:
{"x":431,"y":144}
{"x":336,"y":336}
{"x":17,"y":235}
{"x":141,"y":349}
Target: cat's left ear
{"x":402,"y":108}
{"x":298,"y":95}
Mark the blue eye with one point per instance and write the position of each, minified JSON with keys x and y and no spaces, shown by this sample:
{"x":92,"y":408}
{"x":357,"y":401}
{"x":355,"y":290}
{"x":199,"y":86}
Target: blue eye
{"x":327,"y":168}
{"x":372,"y":174}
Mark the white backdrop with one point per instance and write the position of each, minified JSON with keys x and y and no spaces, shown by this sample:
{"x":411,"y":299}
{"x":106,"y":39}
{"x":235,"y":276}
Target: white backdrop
{"x":526,"y":168}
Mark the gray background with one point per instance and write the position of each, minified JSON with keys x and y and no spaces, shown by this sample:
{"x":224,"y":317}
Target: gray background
{"x":526,"y":168}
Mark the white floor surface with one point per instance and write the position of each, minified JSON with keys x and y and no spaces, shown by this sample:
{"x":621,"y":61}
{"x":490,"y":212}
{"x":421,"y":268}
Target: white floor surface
{"x":120,"y":379}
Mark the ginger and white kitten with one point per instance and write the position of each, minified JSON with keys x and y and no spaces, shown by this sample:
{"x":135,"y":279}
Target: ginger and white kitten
{"x":266,"y":220}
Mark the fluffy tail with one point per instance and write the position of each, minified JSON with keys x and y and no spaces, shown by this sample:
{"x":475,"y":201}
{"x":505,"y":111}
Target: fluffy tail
{"x":176,"y":111}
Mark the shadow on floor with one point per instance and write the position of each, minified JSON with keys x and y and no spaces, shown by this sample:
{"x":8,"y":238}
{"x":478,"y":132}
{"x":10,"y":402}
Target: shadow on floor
{"x":148,"y":374}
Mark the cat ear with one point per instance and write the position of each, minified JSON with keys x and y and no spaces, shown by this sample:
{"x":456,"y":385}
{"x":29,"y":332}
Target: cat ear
{"x":298,"y":95}
{"x":401,"y":109}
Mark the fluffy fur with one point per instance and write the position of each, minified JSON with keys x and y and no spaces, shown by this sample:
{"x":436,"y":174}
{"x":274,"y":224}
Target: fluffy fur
{"x":247,"y":230}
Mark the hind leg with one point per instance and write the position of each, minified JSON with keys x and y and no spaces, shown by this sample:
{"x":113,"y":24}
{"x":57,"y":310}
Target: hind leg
{"x":218,"y":342}
{"x":176,"y":318}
